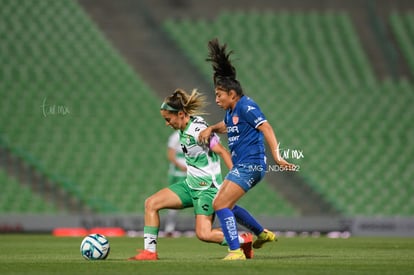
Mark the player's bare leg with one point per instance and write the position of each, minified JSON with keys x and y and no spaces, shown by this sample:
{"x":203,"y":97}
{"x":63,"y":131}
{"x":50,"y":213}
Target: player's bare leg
{"x":165,"y":198}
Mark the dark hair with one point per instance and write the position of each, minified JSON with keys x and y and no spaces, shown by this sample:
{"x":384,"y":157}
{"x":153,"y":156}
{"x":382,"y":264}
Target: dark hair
{"x":224,"y":76}
{"x":180,"y":100}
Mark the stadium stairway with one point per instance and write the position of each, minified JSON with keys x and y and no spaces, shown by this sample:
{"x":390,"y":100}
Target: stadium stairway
{"x":130,"y":26}
{"x":402,"y":24}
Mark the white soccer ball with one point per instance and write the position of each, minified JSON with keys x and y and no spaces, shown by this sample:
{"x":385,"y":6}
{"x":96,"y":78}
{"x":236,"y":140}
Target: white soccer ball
{"x":95,"y":247}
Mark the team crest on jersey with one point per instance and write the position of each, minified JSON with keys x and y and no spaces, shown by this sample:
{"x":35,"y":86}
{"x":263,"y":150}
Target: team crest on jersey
{"x":187,"y":140}
{"x":235,"y":119}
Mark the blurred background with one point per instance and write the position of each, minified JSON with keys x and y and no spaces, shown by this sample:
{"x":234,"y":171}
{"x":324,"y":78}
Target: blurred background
{"x":82,"y":142}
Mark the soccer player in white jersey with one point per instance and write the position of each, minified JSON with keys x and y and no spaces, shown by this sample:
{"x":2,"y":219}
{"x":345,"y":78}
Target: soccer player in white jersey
{"x":246,"y":128}
{"x":203,"y":177}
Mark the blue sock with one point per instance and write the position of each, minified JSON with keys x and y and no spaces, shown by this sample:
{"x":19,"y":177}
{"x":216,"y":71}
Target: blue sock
{"x":229,"y":227}
{"x":244,"y":218}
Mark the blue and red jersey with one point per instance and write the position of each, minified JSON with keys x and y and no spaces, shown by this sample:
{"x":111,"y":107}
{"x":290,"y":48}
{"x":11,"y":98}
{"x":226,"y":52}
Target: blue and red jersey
{"x":244,"y":139}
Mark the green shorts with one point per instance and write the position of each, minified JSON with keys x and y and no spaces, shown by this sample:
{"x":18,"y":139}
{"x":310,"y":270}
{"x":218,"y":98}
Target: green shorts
{"x":201,"y":200}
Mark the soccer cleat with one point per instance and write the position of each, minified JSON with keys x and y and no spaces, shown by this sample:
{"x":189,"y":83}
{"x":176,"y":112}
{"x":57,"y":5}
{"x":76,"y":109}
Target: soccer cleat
{"x":235,"y":255}
{"x":145,"y":255}
{"x":264,"y":237}
{"x":247,"y":245}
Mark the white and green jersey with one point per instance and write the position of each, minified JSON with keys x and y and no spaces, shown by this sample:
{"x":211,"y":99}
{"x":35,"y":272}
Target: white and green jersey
{"x":203,"y":165}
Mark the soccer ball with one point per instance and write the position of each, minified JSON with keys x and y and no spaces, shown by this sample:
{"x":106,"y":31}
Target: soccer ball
{"x":95,"y":247}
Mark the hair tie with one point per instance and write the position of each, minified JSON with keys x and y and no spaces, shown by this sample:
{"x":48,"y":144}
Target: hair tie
{"x":166,"y":107}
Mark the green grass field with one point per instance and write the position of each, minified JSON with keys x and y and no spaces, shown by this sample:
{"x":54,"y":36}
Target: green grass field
{"x":44,"y":254}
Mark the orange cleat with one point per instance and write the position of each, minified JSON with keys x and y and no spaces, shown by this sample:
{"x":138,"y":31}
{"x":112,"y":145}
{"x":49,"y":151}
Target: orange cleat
{"x":144,"y":255}
{"x":247,"y":245}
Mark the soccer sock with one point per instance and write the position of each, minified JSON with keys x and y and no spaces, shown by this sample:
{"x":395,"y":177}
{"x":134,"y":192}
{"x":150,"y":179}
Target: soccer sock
{"x":244,"y":218}
{"x":150,"y":238}
{"x":229,"y":227}
{"x":224,"y":242}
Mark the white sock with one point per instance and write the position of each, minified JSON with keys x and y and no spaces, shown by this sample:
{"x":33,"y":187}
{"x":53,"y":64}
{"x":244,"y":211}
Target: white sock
{"x":150,"y":242}
{"x":241,"y":240}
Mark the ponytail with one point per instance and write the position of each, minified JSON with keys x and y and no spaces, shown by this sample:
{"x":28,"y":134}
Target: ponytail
{"x":180,"y":100}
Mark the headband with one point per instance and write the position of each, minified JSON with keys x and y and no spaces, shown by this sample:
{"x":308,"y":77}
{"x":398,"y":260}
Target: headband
{"x":166,"y":107}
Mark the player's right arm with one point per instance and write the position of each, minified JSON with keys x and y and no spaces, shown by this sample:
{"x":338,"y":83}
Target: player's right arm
{"x":205,"y":135}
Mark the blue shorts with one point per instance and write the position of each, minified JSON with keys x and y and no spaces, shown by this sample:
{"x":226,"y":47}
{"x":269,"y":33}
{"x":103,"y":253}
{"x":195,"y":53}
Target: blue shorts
{"x":246,"y":175}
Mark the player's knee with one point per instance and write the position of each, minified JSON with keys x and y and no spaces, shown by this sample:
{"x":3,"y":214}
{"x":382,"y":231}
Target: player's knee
{"x":217,"y":205}
{"x":150,"y":204}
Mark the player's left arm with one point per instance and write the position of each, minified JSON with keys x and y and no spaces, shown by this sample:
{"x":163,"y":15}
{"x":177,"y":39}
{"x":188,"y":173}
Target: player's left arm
{"x":271,"y":140}
{"x":219,"y":149}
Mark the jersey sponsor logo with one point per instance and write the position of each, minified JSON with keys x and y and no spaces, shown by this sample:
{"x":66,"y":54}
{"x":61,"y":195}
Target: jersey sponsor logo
{"x":233,"y":139}
{"x":233,"y":129}
{"x":235,"y":119}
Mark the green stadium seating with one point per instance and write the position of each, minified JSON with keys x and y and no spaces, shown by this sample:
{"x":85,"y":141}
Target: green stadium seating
{"x":54,"y":55}
{"x":16,"y":198}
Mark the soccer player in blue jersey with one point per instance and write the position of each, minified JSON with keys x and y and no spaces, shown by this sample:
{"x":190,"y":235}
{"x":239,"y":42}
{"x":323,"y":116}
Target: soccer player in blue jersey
{"x":247,"y":129}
